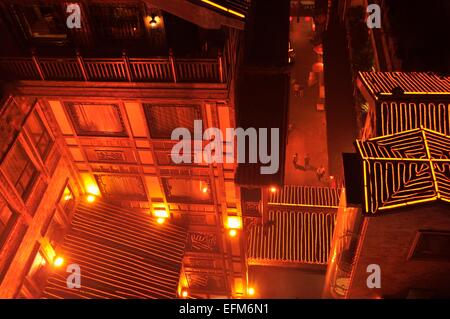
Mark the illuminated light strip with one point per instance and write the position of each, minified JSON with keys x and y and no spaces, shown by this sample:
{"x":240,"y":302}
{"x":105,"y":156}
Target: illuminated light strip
{"x":384,"y":81}
{"x":427,"y":148}
{"x":301,"y":205}
{"x":403,"y":159}
{"x":408,"y":203}
{"x":423,"y":139}
{"x":218,"y":6}
{"x":440,"y":93}
{"x":365,"y":187}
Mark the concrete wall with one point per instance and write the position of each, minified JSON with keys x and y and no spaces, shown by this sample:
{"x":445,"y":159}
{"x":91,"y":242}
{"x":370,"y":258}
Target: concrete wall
{"x":388,"y":241}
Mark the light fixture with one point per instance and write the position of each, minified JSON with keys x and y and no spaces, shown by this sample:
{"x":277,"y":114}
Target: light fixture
{"x":232,"y":232}
{"x":184,"y":292}
{"x":93,"y":189}
{"x":273,"y":189}
{"x":204,"y":187}
{"x":90,"y":198}
{"x":160,"y":212}
{"x":251,"y":291}
{"x":58,"y":261}
{"x":234,"y":222}
{"x":153,"y":20}
{"x":67,"y":197}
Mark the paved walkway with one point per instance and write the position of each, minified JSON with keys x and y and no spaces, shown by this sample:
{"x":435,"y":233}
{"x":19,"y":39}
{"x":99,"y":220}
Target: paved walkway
{"x":307,"y":126}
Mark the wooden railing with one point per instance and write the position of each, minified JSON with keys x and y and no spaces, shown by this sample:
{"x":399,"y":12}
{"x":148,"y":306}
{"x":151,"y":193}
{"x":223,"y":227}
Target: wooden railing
{"x":125,"y":69}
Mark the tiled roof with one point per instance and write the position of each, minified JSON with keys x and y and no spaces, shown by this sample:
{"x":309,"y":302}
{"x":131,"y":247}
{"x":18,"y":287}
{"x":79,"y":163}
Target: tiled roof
{"x":415,"y":83}
{"x":308,"y":196}
{"x":405,"y":168}
{"x":121,"y":253}
{"x":396,"y":117}
{"x":292,"y":237}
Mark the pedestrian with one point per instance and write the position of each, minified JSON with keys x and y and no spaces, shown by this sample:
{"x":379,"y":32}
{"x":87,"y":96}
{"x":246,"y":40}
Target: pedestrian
{"x":298,"y":89}
{"x":307,"y":160}
{"x":320,"y":173}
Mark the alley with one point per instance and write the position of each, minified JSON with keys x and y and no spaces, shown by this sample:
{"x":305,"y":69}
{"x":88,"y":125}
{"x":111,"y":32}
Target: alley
{"x":307,"y":135}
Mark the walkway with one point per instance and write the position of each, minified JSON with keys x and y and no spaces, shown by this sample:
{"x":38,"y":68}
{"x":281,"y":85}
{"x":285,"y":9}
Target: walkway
{"x":307,"y":126}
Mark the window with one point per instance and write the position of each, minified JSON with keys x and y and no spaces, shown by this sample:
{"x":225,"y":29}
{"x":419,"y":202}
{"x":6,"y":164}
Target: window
{"x":162,"y":120}
{"x":7,"y":220}
{"x":67,"y":200}
{"x":55,"y":232}
{"x":44,"y":21}
{"x":37,"y":275}
{"x":39,"y":134}
{"x":20,"y":170}
{"x":97,"y":119}
{"x":122,"y":187}
{"x":431,"y":245}
{"x":118,"y":21}
{"x":183,"y":190}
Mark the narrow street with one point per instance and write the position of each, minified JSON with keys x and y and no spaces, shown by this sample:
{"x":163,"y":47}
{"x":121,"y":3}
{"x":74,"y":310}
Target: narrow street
{"x":307,"y":133}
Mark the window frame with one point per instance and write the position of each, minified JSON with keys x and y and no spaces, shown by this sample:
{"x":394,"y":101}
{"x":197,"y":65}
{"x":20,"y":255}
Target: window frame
{"x":165,"y":180}
{"x":148,"y":117}
{"x":69,"y":106}
{"x":24,"y":195}
{"x":46,"y":132}
{"x":9,"y":226}
{"x":21,"y":17}
{"x":414,"y":255}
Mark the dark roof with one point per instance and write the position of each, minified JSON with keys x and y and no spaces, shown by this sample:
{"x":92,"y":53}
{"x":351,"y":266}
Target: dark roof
{"x":300,"y":236}
{"x":267,"y":33}
{"x":121,"y":253}
{"x":262,"y":87}
{"x":262,"y":102}
{"x":404,"y":169}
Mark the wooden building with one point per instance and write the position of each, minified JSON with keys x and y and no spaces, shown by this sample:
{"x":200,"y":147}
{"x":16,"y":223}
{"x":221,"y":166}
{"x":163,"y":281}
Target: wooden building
{"x":86,"y":122}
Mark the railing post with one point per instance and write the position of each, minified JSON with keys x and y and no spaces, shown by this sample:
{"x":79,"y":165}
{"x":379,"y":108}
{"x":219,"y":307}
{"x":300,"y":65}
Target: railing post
{"x":126,"y":62}
{"x":220,"y":60}
{"x":80,"y":62}
{"x":172,"y":65}
{"x":37,"y":64}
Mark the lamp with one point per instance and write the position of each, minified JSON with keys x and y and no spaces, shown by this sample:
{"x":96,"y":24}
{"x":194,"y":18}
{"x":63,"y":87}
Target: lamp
{"x":153,"y":20}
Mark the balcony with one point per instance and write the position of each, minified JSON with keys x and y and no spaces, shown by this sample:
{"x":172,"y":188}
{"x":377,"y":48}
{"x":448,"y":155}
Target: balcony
{"x":161,"y":70}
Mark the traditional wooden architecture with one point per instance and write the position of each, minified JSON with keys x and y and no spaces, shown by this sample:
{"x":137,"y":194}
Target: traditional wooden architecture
{"x":88,"y":113}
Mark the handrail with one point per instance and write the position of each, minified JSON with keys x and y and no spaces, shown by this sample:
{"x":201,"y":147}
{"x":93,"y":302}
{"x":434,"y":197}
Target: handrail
{"x":168,"y":70}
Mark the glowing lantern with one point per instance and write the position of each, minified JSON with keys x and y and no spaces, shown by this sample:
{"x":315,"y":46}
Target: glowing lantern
{"x":232,"y":232}
{"x":234,"y":222}
{"x":58,"y":261}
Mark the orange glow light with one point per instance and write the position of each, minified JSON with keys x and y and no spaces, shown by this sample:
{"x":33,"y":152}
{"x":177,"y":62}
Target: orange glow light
{"x":234,"y":222}
{"x":58,"y":261}
{"x":232,"y":232}
{"x":251,"y":291}
{"x":160,"y":220}
{"x":160,"y":213}
{"x":273,"y":189}
{"x":184,"y":293}
{"x":204,"y":189}
{"x":90,"y":198}
{"x":93,"y":189}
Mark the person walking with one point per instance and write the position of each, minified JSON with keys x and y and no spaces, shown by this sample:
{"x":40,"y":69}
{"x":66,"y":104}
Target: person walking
{"x":320,"y":173}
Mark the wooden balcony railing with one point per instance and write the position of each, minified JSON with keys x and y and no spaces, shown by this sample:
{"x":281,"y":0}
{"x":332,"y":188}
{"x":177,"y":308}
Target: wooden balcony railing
{"x":125,"y":69}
